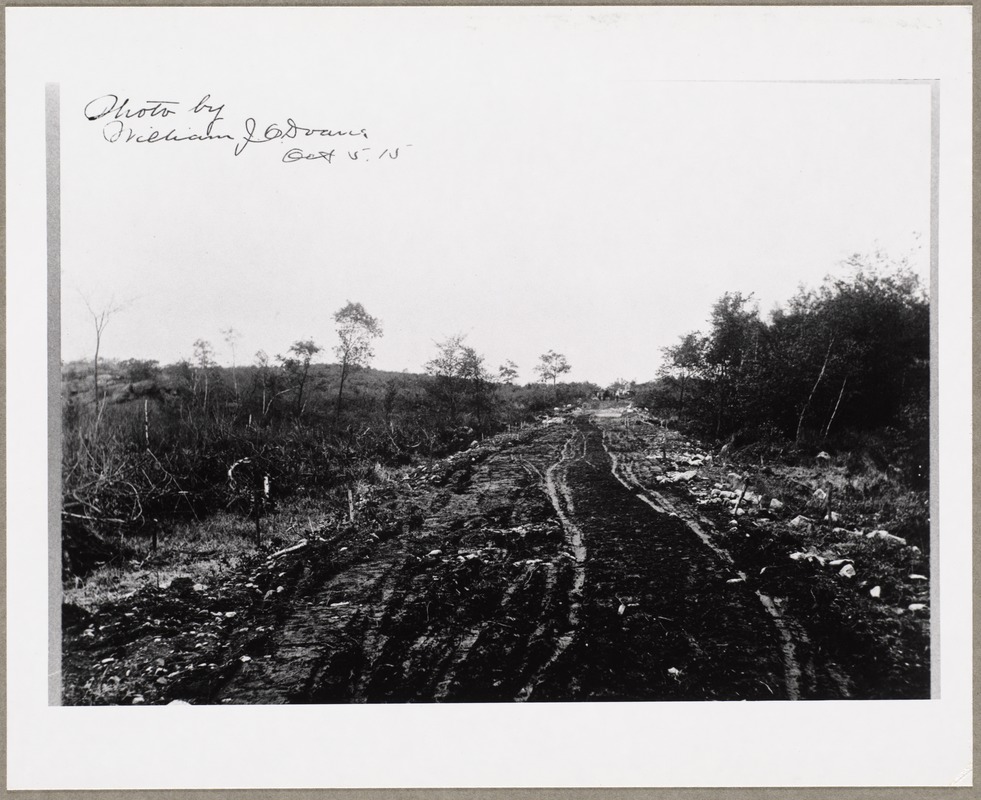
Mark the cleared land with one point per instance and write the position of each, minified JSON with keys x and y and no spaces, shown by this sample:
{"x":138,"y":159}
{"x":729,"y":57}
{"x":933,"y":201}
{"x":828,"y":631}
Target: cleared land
{"x":594,"y":557}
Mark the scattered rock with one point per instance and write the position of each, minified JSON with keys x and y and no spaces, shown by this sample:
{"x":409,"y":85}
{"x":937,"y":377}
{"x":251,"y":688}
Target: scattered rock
{"x":916,"y":606}
{"x":800,"y":521}
{"x":847,"y":571}
{"x":886,"y":536}
{"x":875,"y":591}
{"x":775,"y":505}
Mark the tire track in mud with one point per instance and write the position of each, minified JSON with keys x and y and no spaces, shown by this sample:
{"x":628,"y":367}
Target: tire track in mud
{"x":659,"y":620}
{"x":803,"y":673}
{"x":558,"y":491}
{"x":660,"y":504}
{"x":526,"y":619}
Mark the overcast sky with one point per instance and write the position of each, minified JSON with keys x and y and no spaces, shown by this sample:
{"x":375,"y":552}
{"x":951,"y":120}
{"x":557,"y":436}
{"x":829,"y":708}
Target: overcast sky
{"x":548,"y":193}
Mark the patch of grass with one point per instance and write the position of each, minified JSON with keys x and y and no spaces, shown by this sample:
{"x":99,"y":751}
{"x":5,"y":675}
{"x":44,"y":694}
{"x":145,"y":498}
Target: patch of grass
{"x":202,"y":551}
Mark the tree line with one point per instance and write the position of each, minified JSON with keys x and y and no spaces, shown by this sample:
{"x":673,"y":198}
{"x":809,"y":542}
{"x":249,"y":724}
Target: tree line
{"x":144,"y":444}
{"x":836,"y":364}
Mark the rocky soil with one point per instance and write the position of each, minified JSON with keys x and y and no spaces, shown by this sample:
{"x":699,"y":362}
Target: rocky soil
{"x":595,"y":557}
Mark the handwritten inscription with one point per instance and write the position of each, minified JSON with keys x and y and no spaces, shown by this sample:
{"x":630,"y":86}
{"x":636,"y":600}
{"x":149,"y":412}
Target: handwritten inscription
{"x":124,"y":121}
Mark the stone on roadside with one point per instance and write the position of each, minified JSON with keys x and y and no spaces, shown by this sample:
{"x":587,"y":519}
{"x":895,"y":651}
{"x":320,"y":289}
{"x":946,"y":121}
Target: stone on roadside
{"x":916,"y":606}
{"x":886,"y":536}
{"x":775,"y":505}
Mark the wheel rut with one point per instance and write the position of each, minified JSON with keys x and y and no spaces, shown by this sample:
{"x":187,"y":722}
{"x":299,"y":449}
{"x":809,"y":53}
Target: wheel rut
{"x":542,"y":572}
{"x":562,"y":501}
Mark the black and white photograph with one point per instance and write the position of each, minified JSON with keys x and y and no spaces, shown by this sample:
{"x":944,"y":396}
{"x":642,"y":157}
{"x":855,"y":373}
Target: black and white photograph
{"x":483,"y":358}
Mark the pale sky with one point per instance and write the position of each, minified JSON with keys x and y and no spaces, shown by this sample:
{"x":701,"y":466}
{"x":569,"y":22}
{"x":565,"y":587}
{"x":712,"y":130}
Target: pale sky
{"x":550,"y":192}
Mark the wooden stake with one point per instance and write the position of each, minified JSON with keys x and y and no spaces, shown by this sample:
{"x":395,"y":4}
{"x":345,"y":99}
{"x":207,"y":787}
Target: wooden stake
{"x":258,"y":526}
{"x":742,"y":494}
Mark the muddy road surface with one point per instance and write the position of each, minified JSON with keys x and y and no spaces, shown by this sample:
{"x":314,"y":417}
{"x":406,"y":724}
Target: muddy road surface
{"x":539,"y":577}
{"x":545,"y":565}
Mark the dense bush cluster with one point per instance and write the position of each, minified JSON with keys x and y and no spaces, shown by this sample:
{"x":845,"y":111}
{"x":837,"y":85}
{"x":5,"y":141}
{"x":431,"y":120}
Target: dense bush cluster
{"x":846,"y":365}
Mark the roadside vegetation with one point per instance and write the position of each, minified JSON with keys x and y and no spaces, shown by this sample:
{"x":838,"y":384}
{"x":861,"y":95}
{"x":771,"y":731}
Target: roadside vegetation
{"x":799,"y":441}
{"x":148,"y":450}
{"x":840,"y":373}
{"x":844,"y":368}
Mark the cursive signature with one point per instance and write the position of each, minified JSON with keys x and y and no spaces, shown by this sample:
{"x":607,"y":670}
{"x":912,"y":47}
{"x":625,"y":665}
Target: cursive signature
{"x":290,"y":130}
{"x":124,"y":120}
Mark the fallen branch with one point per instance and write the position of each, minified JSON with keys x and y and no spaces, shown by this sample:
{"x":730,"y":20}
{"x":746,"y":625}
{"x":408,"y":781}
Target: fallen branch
{"x":292,"y":549}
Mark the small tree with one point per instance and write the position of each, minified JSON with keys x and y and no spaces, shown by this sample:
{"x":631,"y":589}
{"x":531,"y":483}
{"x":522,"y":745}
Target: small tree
{"x":550,"y":366}
{"x":508,"y":372}
{"x":297,"y":367}
{"x":682,"y":362}
{"x":232,"y":338}
{"x":266,"y":380}
{"x":462,"y":381}
{"x":446,"y":368}
{"x":100,"y":319}
{"x":204,"y":361}
{"x":356,"y":329}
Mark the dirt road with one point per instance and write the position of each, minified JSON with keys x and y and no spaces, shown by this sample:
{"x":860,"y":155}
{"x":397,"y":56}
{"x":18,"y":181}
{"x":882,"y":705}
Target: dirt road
{"x":536,"y":575}
{"x":559,"y":563}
